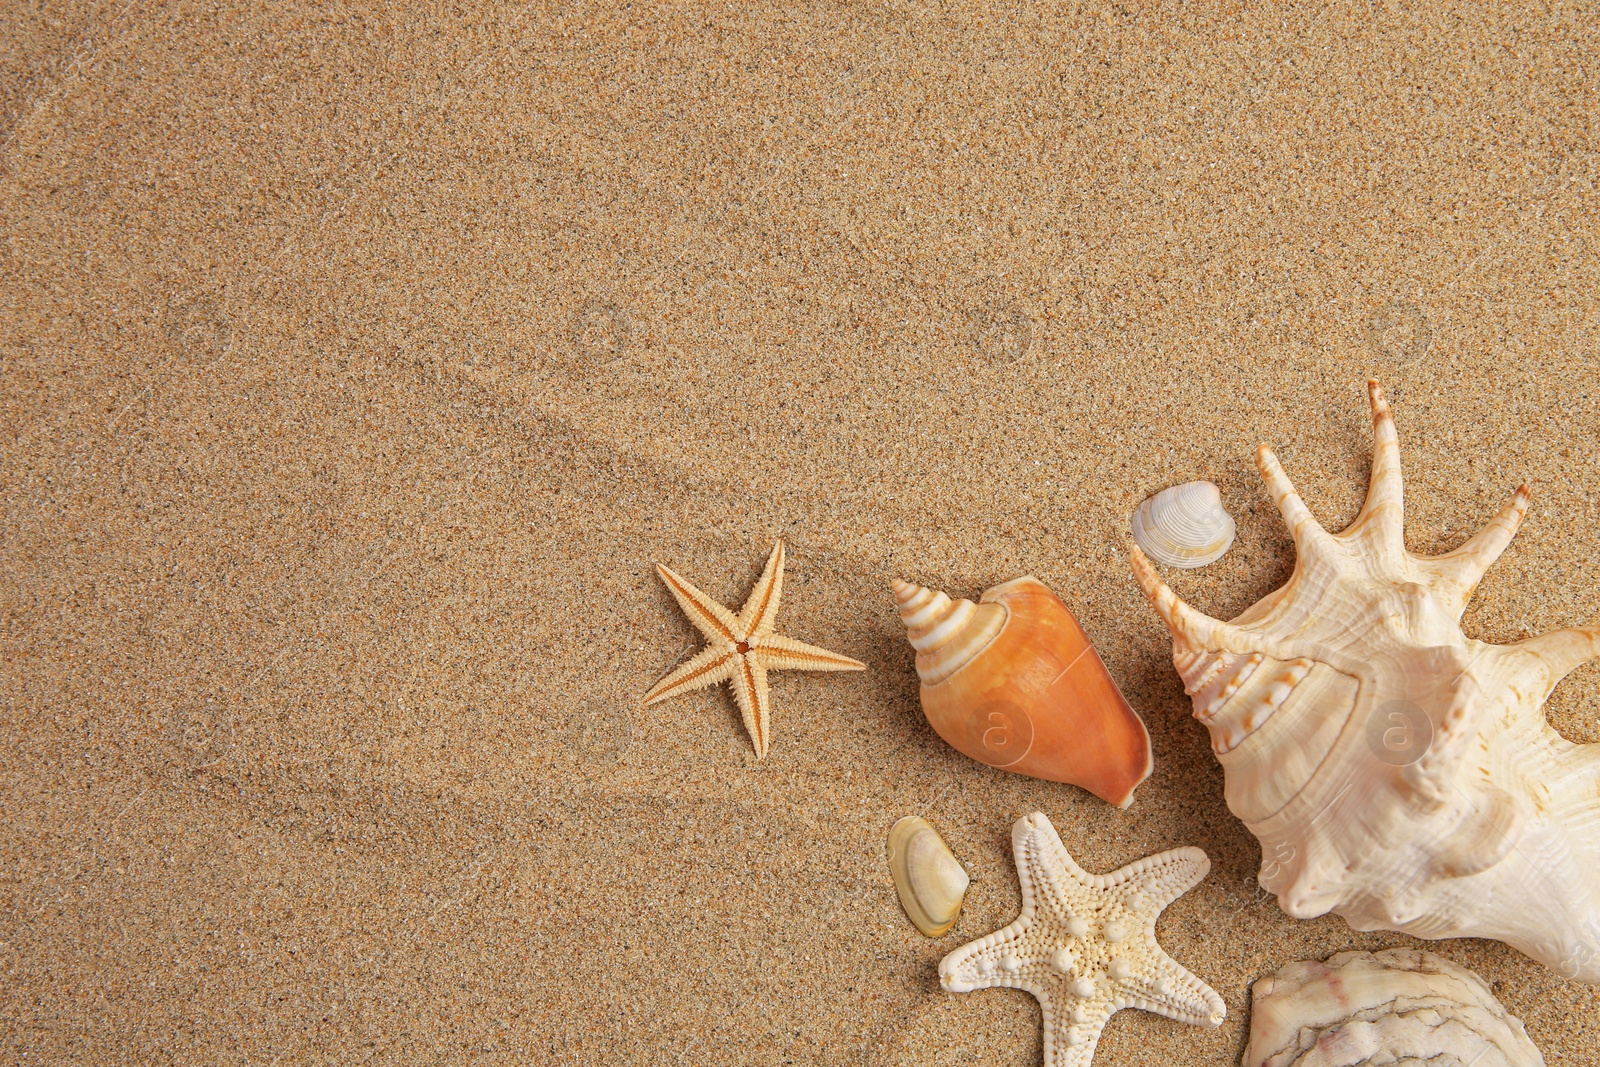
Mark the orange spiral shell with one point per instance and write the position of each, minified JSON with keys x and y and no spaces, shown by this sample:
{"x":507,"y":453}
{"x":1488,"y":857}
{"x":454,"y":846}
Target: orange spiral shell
{"x":1014,"y":682}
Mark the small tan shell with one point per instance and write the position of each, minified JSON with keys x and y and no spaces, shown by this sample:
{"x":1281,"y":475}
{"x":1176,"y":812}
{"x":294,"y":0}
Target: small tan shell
{"x":1184,"y":526}
{"x":929,"y":879}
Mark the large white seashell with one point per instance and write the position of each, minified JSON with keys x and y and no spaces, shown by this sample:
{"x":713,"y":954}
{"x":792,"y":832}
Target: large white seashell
{"x":1184,"y":526}
{"x":929,"y":879}
{"x":1396,"y":1008}
{"x":1397,"y":772}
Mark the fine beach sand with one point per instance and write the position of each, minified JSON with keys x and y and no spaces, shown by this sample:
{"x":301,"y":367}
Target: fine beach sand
{"x":360,"y":361}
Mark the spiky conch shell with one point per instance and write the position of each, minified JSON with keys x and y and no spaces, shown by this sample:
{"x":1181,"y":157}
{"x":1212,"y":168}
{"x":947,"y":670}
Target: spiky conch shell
{"x":1397,"y":1007}
{"x":1397,"y":772}
{"x":1014,"y":682}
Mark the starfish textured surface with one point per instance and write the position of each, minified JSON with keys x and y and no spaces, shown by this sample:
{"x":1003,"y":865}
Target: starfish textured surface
{"x":742,"y":648}
{"x":1085,"y":944}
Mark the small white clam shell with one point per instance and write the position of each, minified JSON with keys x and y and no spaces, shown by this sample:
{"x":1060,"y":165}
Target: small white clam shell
{"x":1184,"y":526}
{"x":929,"y":879}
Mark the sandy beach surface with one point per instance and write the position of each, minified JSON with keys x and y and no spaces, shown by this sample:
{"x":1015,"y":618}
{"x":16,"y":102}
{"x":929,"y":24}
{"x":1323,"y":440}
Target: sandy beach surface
{"x":360,"y":360}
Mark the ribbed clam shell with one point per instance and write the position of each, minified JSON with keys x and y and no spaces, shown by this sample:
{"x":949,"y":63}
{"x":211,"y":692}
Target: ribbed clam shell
{"x":1400,"y":1008}
{"x":1184,"y":526}
{"x":928,"y":877}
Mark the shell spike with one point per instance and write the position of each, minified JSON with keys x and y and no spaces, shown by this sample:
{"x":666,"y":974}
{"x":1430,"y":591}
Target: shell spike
{"x":1194,"y":628}
{"x":1384,"y":509}
{"x":1302,"y":524}
{"x":1563,"y":651}
{"x":1457,"y":573}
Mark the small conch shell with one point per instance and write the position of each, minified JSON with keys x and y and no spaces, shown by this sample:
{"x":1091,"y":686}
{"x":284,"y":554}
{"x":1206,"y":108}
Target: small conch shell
{"x":1403,"y":1006}
{"x":1012,"y":681}
{"x":1184,"y":526}
{"x":928,"y":877}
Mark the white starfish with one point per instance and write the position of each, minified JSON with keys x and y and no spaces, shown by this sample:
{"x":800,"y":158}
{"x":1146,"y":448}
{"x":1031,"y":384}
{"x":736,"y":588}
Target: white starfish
{"x":1085,"y":944}
{"x":742,"y":648}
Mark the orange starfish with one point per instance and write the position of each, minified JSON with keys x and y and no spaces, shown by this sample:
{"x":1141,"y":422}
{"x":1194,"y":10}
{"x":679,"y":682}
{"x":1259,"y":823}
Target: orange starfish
{"x":743,"y":648}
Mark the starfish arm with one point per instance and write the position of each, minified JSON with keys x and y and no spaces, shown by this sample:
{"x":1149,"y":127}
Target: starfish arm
{"x":709,"y":617}
{"x":712,"y":665}
{"x":780,"y":653}
{"x":750,"y":692}
{"x":1072,"y":1044}
{"x":1177,"y":992}
{"x":760,"y":609}
{"x":1045,"y":869}
{"x":1150,"y":884}
{"x":983,"y":964}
